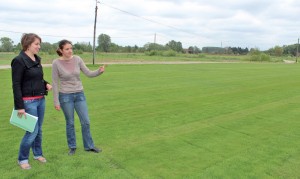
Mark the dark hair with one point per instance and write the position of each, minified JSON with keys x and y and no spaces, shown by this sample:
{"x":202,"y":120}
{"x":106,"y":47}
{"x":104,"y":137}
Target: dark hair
{"x":61,"y":45}
{"x":28,"y":39}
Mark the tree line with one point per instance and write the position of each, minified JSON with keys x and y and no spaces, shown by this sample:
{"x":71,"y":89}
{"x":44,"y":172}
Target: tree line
{"x":106,"y":45}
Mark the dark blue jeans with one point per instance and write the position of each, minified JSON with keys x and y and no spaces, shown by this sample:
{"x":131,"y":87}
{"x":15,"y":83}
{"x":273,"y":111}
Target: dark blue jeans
{"x":76,"y":101}
{"x":33,"y":140}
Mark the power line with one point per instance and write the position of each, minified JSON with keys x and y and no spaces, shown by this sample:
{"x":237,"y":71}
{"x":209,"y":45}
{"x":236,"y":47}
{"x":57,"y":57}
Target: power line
{"x":123,"y":11}
{"x":150,"y":20}
{"x":118,"y":9}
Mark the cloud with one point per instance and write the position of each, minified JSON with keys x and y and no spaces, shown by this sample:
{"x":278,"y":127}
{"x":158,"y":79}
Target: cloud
{"x":254,"y":23}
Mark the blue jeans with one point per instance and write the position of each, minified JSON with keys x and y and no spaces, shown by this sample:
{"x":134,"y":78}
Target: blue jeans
{"x":33,"y":140}
{"x":69,"y":102}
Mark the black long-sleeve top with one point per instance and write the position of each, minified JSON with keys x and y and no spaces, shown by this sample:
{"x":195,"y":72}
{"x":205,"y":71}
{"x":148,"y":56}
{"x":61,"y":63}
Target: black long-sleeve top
{"x":27,"y":78}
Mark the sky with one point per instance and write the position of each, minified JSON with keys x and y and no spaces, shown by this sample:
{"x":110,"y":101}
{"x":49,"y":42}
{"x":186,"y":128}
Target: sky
{"x":261,"y":24}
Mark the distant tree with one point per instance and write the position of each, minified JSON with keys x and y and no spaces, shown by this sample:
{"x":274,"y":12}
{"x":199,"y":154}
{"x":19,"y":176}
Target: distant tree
{"x":6,"y":44}
{"x":47,"y":47}
{"x":83,"y":46}
{"x":176,"y":46}
{"x":128,"y":49}
{"x":17,"y":47}
{"x":290,"y":49}
{"x":135,"y":48}
{"x":246,"y":50}
{"x":278,"y":51}
{"x":197,"y":50}
{"x":193,"y":50}
{"x":104,"y":42}
{"x":234,"y":50}
{"x":238,"y":50}
{"x":114,"y":48}
{"x":154,"y":46}
{"x":254,"y":51}
{"x":141,"y":49}
{"x":214,"y":50}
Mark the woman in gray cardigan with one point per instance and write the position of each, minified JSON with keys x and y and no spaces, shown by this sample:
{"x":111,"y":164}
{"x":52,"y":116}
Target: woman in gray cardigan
{"x":69,"y":96}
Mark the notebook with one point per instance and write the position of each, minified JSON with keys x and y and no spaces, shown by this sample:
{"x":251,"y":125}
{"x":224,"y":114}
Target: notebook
{"x":27,"y":123}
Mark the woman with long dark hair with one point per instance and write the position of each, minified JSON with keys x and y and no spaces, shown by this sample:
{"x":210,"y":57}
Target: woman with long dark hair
{"x":69,"y":96}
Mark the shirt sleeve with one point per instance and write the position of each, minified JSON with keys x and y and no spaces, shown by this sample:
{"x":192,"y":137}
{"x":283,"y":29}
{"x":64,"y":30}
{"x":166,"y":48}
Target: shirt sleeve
{"x":17,"y":70}
{"x":87,"y":71}
{"x":55,"y":83}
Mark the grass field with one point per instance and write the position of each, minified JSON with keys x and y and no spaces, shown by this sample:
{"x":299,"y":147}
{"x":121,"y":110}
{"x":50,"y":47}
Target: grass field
{"x":218,"y":120}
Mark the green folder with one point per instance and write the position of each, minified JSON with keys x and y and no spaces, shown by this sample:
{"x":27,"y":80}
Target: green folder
{"x":27,"y":123}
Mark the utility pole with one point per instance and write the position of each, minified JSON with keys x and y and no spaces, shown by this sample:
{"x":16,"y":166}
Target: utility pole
{"x":94,"y":40}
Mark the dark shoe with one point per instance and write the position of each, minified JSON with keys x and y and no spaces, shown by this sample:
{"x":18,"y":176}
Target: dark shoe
{"x":95,"y":149}
{"x":72,"y":151}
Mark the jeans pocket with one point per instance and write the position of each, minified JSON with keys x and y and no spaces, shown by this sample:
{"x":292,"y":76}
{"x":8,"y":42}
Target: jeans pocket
{"x":64,"y":99}
{"x":81,"y":98}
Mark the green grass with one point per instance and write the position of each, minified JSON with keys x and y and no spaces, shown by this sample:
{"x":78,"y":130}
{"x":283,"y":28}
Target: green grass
{"x":172,"y":121}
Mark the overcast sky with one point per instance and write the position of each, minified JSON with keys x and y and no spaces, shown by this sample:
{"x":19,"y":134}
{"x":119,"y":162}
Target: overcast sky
{"x":259,"y":24}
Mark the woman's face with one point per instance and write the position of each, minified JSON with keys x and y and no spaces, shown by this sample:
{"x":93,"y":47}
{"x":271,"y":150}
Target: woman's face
{"x":34,"y":48}
{"x":67,"y":51}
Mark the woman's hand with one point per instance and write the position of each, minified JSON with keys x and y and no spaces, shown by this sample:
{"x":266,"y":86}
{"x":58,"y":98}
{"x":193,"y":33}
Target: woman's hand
{"x":49,"y":87}
{"x":21,"y":112}
{"x":57,"y":107}
{"x":102,"y":68}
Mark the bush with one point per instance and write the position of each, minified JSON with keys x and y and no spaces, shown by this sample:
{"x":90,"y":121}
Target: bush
{"x":169,"y":53}
{"x":260,"y":57}
{"x":153,"y":53}
{"x":264,"y":57}
{"x":254,"y":57}
{"x":78,"y":51}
